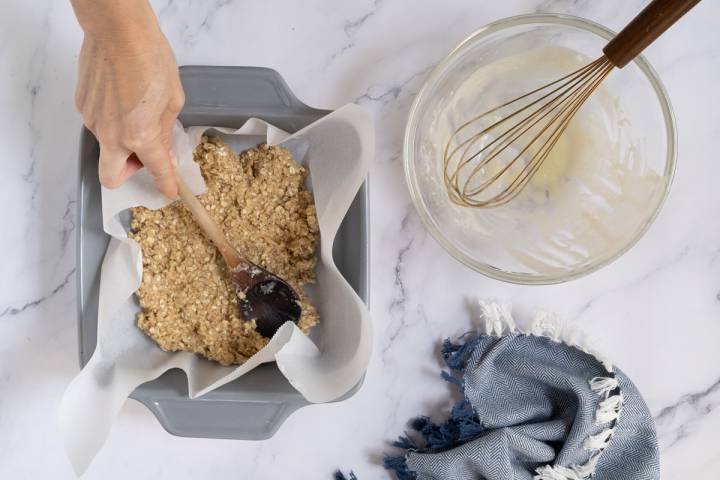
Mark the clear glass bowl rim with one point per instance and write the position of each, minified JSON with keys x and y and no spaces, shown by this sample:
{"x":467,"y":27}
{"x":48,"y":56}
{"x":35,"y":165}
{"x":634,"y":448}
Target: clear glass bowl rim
{"x":412,"y":123}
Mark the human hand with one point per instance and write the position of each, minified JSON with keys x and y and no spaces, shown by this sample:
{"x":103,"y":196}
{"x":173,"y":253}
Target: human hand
{"x":129,"y":95}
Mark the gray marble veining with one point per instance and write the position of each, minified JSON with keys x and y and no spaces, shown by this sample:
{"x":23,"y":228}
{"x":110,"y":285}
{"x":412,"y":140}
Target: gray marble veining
{"x":655,"y":311}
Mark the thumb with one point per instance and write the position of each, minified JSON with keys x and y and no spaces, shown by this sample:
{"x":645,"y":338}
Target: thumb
{"x":157,"y":158}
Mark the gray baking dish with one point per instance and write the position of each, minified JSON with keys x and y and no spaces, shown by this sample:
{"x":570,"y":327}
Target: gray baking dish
{"x":255,"y":405}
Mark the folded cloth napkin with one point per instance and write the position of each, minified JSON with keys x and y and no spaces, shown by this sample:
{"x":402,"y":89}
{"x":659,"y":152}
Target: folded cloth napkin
{"x":536,"y":405}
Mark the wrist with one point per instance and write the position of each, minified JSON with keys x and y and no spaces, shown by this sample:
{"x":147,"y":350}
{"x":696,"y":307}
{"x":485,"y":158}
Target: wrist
{"x":123,"y":23}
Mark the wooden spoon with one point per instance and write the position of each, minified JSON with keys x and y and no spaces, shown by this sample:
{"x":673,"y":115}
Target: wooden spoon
{"x":262,"y":296}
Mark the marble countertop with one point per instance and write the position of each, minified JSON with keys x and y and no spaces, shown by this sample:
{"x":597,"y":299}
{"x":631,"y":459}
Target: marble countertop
{"x":655,"y":311}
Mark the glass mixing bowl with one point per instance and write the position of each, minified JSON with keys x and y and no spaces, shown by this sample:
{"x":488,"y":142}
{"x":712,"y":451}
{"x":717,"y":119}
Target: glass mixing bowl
{"x":572,"y":231}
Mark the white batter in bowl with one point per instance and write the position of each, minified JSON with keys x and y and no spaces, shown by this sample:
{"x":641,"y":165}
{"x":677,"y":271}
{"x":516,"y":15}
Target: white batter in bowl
{"x":597,"y":192}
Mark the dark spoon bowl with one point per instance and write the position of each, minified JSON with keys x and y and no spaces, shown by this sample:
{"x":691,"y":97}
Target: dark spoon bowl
{"x":266,"y":298}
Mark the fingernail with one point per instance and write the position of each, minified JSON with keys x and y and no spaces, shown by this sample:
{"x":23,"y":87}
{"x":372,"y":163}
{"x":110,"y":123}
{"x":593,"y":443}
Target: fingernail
{"x":173,"y":159}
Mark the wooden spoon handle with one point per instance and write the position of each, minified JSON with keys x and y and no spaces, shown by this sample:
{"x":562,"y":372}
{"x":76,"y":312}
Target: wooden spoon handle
{"x":644,"y":29}
{"x":207,"y":224}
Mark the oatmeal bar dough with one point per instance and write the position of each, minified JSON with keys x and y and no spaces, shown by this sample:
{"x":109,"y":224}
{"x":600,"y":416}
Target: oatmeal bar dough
{"x":259,"y":199}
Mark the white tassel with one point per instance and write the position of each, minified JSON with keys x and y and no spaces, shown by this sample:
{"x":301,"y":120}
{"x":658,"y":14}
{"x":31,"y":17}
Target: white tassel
{"x":506,"y":315}
{"x":577,"y":472}
{"x":574,"y":337}
{"x":599,"y":441}
{"x":609,"y":409}
{"x":588,"y":468}
{"x":546,"y":325}
{"x":556,"y":473}
{"x":603,"y":385}
{"x":498,"y":321}
{"x":498,"y":318}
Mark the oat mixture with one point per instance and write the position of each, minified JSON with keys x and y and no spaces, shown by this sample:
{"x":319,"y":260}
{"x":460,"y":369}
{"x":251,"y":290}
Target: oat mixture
{"x":259,"y":199}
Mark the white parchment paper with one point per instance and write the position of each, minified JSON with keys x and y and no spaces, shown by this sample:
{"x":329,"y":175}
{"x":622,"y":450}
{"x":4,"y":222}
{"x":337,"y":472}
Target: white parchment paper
{"x":337,"y":150}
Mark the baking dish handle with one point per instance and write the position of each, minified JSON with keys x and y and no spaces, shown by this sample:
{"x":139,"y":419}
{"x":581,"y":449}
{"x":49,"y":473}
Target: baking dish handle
{"x":210,"y":91}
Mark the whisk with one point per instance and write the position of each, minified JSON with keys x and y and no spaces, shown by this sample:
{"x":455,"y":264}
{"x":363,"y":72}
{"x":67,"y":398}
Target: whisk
{"x":487,"y":166}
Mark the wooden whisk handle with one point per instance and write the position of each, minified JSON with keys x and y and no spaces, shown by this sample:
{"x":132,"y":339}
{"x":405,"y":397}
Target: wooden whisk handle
{"x":644,"y":29}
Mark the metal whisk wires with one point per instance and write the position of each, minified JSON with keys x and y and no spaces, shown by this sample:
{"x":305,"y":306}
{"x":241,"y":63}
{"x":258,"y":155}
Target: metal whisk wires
{"x":489,"y":159}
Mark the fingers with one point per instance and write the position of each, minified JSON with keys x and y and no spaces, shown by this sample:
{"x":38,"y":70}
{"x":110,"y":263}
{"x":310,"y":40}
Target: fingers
{"x":133,"y":142}
{"x":118,"y":164}
{"x":115,"y":166}
{"x":157,"y":158}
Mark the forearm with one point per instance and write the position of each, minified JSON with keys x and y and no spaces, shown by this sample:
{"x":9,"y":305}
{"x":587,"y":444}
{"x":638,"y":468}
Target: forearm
{"x":115,"y":19}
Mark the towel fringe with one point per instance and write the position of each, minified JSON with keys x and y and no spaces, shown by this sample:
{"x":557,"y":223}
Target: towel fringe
{"x":599,"y":441}
{"x":604,"y":385}
{"x":556,"y":473}
{"x":547,"y":325}
{"x":609,"y":409}
{"x":498,"y":318}
{"x":588,"y":468}
{"x":498,"y":321}
{"x":579,"y":472}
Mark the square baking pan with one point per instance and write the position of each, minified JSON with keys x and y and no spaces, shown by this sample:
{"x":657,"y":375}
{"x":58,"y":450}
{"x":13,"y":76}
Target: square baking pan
{"x":253,"y":406}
